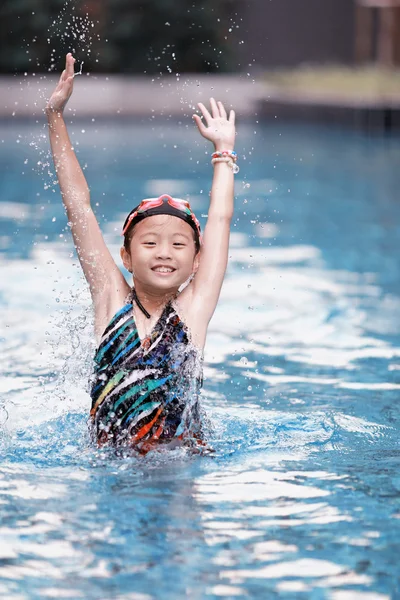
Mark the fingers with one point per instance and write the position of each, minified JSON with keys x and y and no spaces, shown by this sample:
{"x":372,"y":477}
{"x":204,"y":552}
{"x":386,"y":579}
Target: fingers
{"x":69,"y":86}
{"x":218,"y":114}
{"x":64,"y":88}
{"x":222,"y":110}
{"x":199,"y":124}
{"x":217,"y":111}
{"x":205,"y":113}
{"x":214,"y":108}
{"x":69,"y":65}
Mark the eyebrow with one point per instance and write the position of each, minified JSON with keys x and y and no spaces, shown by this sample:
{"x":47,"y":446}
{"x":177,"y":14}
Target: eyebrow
{"x":145,"y":235}
{"x":187,"y":237}
{"x":155,"y":234}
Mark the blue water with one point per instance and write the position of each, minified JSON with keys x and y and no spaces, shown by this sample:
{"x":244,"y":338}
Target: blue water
{"x":301,"y":498}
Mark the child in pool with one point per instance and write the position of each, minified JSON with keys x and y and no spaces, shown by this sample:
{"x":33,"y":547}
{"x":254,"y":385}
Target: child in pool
{"x":151,"y":335}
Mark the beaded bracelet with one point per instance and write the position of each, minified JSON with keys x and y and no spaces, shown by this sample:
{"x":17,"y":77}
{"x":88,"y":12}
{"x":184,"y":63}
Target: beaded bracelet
{"x":227,"y":156}
{"x":220,"y":153}
{"x":228,"y":161}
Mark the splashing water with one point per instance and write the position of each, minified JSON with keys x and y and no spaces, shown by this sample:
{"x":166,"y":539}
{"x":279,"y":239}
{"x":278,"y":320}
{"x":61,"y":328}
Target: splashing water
{"x":80,"y":72}
{"x":76,"y":32}
{"x":301,"y":496}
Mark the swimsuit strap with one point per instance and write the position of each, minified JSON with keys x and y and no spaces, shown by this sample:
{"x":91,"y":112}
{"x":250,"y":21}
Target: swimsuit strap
{"x":133,"y":297}
{"x":140,"y":305}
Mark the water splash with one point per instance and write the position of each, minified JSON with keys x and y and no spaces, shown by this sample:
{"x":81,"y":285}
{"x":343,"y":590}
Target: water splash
{"x":80,"y":70}
{"x":77,"y":33}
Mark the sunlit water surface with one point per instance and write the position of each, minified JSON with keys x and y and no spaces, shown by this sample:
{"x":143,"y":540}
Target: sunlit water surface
{"x":301,"y":497}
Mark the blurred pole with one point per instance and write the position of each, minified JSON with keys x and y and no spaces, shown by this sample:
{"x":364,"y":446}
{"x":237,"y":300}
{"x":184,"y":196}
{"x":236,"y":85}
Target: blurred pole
{"x":387,"y":16}
{"x":386,"y":36}
{"x":397,"y":38}
{"x":364,"y":22}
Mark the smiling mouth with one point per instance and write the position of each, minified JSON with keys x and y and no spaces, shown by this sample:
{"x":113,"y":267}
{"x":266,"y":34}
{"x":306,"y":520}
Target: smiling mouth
{"x":163,"y":269}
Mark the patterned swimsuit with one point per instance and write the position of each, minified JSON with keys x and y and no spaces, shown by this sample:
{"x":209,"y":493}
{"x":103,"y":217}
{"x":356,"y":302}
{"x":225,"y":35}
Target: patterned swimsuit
{"x":146,"y":391}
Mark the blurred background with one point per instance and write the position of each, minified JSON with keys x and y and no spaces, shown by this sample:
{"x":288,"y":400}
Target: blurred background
{"x":339,"y":57}
{"x":132,"y":36}
{"x":301,"y":500}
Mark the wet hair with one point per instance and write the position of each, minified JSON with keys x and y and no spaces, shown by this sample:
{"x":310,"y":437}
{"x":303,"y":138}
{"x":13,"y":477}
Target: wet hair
{"x":164,"y":206}
{"x":129,"y":235}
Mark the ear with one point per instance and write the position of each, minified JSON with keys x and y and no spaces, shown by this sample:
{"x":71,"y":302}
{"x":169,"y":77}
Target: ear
{"x":126,"y":259}
{"x":196,"y":262}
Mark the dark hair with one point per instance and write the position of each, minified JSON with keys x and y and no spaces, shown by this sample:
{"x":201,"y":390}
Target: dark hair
{"x":164,"y":206}
{"x":128,"y":238}
{"x":129,"y":234}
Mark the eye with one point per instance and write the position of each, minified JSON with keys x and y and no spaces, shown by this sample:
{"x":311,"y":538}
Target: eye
{"x":149,"y":244}
{"x":179,"y":245}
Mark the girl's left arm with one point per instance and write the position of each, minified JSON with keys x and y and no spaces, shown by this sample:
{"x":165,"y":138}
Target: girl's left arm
{"x":206,"y":286}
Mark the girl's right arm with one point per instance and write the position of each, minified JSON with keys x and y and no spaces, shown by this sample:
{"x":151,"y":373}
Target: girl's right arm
{"x":107,"y":285}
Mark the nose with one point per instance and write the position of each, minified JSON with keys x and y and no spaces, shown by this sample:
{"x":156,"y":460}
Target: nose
{"x":163,"y":251}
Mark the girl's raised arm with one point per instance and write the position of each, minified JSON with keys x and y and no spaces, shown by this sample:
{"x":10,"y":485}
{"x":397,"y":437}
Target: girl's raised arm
{"x":105,"y":280}
{"x":206,"y":286}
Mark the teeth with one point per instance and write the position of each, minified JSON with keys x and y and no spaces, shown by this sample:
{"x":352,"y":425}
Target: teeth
{"x":163,"y":270}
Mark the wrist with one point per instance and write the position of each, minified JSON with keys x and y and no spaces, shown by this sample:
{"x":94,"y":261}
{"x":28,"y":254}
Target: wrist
{"x":224,"y":147}
{"x":52,"y":113}
{"x":225,"y":156}
{"x":55,"y":119}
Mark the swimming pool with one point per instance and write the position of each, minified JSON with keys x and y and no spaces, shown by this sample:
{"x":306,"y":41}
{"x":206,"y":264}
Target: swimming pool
{"x":302,"y":496}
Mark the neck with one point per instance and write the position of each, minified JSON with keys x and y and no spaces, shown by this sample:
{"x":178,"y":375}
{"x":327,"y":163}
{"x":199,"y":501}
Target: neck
{"x":153,"y":300}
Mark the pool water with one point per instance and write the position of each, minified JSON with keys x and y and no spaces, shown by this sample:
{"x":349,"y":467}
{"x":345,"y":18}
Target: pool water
{"x":301,"y":498}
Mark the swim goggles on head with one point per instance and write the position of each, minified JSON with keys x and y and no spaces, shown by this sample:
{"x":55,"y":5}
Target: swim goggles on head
{"x":164,"y":205}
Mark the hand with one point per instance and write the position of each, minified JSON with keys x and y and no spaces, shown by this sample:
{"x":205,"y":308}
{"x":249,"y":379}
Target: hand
{"x":63,"y":91}
{"x":220,"y":130}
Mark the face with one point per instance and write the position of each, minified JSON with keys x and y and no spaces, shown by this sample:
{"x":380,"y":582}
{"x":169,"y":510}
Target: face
{"x":162,"y":253}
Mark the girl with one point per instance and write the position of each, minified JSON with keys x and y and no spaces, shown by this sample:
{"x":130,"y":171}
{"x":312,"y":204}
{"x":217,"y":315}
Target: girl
{"x":151,"y":335}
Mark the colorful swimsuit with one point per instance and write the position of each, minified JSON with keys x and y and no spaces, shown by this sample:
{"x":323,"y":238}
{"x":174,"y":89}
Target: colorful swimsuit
{"x":146,"y":391}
